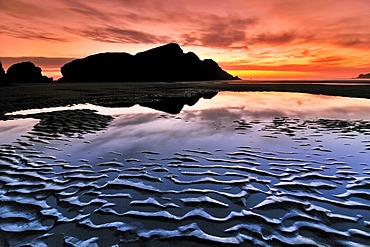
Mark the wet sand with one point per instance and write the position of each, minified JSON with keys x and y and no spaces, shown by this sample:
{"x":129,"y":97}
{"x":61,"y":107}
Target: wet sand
{"x":31,"y":96}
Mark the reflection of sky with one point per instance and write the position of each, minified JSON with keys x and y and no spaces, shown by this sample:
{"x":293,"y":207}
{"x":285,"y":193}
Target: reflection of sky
{"x":275,"y":104}
{"x":13,"y":129}
{"x":100,"y":109}
{"x":253,"y":104}
{"x":207,"y":125}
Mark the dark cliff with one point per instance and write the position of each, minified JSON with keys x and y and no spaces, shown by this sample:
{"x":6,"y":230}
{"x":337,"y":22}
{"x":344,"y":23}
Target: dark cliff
{"x":166,"y":63}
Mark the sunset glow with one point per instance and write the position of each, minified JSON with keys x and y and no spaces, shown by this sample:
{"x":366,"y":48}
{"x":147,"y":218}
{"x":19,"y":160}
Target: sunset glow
{"x":279,"y":39}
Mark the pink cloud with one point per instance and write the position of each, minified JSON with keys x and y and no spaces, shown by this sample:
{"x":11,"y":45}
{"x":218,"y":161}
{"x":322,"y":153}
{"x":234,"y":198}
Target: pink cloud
{"x":111,"y":34}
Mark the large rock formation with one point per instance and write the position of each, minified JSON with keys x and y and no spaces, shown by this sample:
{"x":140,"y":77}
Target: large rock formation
{"x":2,"y":74}
{"x":25,"y":72}
{"x":364,"y":76}
{"x":165,"y":63}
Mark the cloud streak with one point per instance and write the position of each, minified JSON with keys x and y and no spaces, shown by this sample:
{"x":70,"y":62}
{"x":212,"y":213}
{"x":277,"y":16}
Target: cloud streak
{"x":24,"y":33}
{"x":219,"y":32}
{"x":111,"y":34}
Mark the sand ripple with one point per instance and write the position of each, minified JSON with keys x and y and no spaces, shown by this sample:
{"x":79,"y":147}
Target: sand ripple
{"x":306,"y":192}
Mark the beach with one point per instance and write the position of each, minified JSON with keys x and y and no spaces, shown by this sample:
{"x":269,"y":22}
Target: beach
{"x":40,"y":95}
{"x":184,"y":123}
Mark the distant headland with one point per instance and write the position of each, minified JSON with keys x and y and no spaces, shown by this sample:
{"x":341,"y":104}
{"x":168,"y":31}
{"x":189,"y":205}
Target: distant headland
{"x":363,"y":76}
{"x":167,"y":63}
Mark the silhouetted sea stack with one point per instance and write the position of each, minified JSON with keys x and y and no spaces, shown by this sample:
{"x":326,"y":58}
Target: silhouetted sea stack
{"x":2,"y":74}
{"x":166,"y":63}
{"x":364,"y":76}
{"x":25,"y":72}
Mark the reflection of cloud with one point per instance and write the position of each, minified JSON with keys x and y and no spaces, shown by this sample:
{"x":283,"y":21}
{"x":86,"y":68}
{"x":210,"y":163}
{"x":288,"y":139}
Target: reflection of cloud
{"x":148,"y":132}
{"x":134,"y":119}
{"x":212,"y":114}
{"x":226,"y":115}
{"x":276,"y":104}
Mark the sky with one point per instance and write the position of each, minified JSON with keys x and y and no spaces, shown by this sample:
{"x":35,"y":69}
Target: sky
{"x":259,"y":39}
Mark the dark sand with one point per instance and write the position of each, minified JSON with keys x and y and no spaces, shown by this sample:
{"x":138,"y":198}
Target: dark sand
{"x":41,"y":95}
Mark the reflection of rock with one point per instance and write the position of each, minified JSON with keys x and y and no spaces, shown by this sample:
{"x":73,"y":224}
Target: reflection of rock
{"x":164,"y":63}
{"x":175,"y":105}
{"x":69,"y":123}
{"x":364,"y":76}
{"x":172,"y":105}
{"x":25,"y":72}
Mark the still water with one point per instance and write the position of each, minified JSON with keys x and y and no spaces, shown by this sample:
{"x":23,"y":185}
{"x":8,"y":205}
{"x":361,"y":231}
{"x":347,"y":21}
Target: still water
{"x":247,"y":169}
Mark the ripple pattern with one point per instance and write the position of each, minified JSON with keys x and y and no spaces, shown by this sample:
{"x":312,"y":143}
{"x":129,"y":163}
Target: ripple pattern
{"x":299,"y":188}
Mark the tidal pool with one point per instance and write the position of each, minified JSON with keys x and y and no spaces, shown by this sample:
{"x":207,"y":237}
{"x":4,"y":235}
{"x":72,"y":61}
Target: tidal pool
{"x":250,"y":168}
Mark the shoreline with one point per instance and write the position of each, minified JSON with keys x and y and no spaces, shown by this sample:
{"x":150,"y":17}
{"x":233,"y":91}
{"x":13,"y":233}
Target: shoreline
{"x":114,"y":94}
